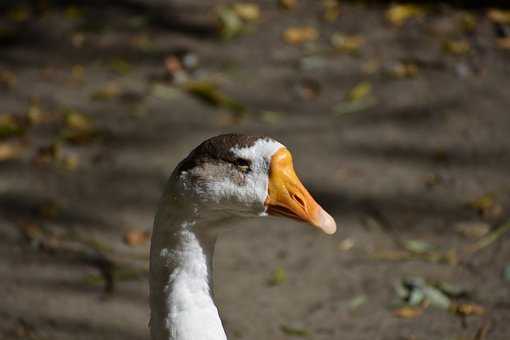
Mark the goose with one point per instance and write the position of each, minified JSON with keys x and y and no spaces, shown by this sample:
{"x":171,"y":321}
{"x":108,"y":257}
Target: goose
{"x":224,"y":180}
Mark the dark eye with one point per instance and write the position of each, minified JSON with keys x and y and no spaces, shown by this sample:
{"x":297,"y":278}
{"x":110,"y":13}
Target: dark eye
{"x":243,"y":165}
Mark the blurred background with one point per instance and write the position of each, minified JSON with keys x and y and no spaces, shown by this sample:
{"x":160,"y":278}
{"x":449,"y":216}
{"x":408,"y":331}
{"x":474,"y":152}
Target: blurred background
{"x":397,"y":115}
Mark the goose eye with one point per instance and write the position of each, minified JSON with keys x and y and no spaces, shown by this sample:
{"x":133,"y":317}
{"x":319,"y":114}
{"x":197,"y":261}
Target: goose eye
{"x":243,"y":165}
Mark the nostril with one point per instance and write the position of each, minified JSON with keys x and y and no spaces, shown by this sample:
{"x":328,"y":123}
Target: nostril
{"x":298,"y":199}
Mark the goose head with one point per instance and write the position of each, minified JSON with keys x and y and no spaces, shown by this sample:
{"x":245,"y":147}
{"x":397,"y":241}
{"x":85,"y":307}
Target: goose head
{"x":246,"y":176}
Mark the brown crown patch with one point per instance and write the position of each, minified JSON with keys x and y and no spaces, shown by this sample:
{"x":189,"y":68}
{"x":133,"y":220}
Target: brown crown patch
{"x":217,"y":149}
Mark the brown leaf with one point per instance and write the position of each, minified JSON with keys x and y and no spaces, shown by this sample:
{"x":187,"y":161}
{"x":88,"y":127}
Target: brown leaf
{"x":79,"y":128}
{"x":287,"y":4}
{"x":408,"y":312}
{"x":499,"y":16}
{"x":404,"y":70}
{"x":9,"y":151}
{"x":11,"y":125}
{"x":487,"y":206}
{"x":473,"y":230}
{"x":467,"y":309}
{"x":399,"y":14}
{"x":109,"y":91}
{"x":331,"y":9}
{"x":347,"y":43}
{"x":457,"y":47}
{"x":247,"y":11}
{"x":173,"y":64}
{"x":503,"y":43}
{"x":136,"y":237}
{"x":45,"y":155}
{"x":70,"y":162}
{"x":31,"y":231}
{"x":299,"y":35}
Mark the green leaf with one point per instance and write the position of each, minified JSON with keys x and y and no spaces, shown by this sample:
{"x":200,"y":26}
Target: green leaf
{"x":294,"y":331}
{"x":436,"y":297}
{"x":120,"y":66}
{"x":418,"y":246}
{"x":359,"y":92}
{"x":279,"y":277}
{"x":10,"y":126}
{"x":353,"y":107}
{"x":416,"y":297}
{"x":358,"y":301}
{"x":271,"y":117}
{"x":210,"y":94}
{"x":506,"y":273}
{"x":231,"y":25}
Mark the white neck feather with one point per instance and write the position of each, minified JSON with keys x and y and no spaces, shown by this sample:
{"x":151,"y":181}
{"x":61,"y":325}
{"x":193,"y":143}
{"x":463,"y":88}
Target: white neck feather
{"x":181,"y":301}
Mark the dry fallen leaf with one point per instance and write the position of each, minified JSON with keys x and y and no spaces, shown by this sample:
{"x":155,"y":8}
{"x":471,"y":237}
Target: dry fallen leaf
{"x":9,"y":151}
{"x":468,"y":22}
{"x":467,"y":309}
{"x":35,"y":115}
{"x":173,"y":64}
{"x":503,"y":43}
{"x":211,"y":94}
{"x":489,"y":239}
{"x":247,"y":11}
{"x":107,"y":92}
{"x":404,"y":70}
{"x":347,"y":43}
{"x":78,"y":121}
{"x":69,"y":162}
{"x":399,"y":14}
{"x":136,"y":237}
{"x":31,"y":230}
{"x":45,"y":155}
{"x":499,"y":16}
{"x":299,"y":35}
{"x":359,"y":92}
{"x":487,"y":206}
{"x":10,"y":125}
{"x":473,"y":230}
{"x":230,"y":24}
{"x":79,"y":128}
{"x":331,"y":9}
{"x":346,"y":244}
{"x":457,"y":47}
{"x":287,"y":4}
{"x":408,"y":312}
{"x":7,"y":78}
{"x":176,"y":69}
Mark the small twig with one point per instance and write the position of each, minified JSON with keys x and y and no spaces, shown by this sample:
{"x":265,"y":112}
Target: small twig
{"x":483,"y":330}
{"x":488,"y":239}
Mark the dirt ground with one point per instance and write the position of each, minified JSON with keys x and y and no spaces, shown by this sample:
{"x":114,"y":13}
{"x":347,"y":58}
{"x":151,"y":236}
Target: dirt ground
{"x":402,"y":133}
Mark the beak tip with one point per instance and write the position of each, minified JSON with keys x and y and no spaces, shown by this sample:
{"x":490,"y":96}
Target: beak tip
{"x":327,"y":223}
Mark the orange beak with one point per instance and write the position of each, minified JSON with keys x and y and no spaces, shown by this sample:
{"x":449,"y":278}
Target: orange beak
{"x":288,"y":197}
